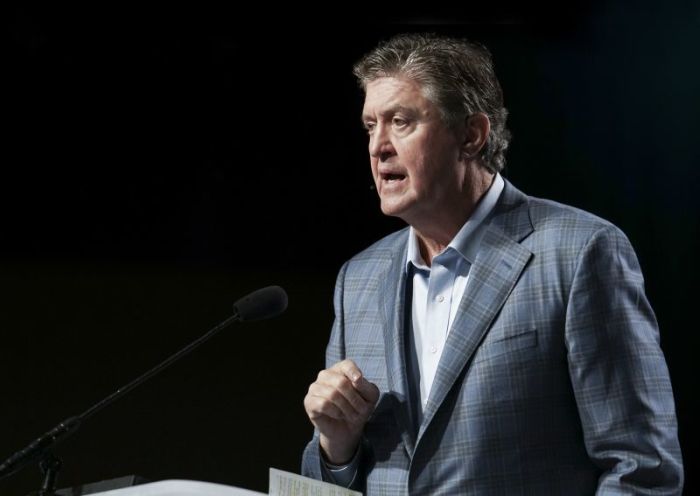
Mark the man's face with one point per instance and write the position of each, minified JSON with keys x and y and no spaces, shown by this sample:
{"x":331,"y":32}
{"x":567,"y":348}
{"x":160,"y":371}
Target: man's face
{"x":415,"y":157}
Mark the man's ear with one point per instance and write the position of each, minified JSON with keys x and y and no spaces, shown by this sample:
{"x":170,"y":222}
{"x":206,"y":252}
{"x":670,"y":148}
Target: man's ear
{"x":476,"y":133}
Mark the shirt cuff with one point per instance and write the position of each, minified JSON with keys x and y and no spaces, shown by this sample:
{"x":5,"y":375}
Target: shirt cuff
{"x":342,"y":475}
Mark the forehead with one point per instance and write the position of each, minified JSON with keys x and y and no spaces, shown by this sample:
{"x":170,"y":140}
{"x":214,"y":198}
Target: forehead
{"x":386,"y":94}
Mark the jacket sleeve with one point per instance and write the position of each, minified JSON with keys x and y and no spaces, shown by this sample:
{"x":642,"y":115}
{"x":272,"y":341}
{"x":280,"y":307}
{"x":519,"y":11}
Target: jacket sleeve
{"x":618,"y":372}
{"x":312,"y":465}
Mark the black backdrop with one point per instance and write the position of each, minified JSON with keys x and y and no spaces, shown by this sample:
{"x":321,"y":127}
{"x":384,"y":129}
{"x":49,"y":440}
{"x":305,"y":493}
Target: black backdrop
{"x":158,"y":164}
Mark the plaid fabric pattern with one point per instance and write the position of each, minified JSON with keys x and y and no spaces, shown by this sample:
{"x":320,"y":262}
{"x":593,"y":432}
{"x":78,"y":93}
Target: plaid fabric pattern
{"x":552,"y":380}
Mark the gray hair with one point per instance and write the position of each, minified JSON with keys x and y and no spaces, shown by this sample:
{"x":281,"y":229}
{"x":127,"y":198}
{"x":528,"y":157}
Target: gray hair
{"x":455,"y":74}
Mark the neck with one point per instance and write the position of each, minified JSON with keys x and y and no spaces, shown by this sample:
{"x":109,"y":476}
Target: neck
{"x":436,"y":231}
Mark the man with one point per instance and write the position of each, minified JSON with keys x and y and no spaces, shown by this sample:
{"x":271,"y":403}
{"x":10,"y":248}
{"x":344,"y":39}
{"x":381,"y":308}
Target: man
{"x":501,"y":344}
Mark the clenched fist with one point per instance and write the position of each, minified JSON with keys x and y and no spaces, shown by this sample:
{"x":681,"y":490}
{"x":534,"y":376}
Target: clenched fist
{"x":339,"y":404}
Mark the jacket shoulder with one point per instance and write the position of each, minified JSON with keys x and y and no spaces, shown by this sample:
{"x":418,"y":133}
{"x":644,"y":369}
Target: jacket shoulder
{"x":548,"y":216}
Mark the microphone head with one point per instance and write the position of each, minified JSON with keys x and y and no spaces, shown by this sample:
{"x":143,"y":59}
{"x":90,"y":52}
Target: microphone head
{"x":262,"y":304}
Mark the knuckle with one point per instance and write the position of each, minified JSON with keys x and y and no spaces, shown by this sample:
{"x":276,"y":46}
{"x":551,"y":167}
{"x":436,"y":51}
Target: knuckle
{"x":347,"y":366}
{"x":308,"y":406}
{"x":335,"y":395}
{"x":351,"y":367}
{"x":343,"y":382}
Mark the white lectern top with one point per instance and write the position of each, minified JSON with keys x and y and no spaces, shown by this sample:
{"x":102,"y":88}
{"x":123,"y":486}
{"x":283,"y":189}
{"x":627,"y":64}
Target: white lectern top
{"x":180,"y":488}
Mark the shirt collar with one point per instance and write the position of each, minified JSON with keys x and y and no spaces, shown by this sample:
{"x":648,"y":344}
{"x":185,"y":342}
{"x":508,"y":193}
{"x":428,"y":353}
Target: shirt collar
{"x":467,"y":240}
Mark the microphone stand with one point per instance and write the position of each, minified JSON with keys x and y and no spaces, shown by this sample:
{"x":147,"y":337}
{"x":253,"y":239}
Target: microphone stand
{"x":49,"y":465}
{"x":40,"y":448}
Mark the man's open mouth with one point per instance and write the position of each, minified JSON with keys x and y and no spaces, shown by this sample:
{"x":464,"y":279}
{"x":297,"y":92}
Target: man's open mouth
{"x":392,"y":177}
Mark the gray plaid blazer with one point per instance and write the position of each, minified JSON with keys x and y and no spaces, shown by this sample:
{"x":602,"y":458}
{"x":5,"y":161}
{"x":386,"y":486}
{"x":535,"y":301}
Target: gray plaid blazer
{"x":552,"y":380}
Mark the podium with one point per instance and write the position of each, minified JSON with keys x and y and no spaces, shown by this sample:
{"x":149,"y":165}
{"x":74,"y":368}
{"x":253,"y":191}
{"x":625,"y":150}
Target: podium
{"x":281,"y":484}
{"x":177,"y":487}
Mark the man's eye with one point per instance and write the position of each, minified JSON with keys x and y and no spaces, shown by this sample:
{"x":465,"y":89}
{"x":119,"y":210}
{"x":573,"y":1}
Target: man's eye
{"x":369,"y":127}
{"x":398,"y":122}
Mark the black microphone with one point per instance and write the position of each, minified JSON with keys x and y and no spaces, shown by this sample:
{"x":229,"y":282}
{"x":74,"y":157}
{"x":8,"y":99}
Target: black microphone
{"x":262,"y":304}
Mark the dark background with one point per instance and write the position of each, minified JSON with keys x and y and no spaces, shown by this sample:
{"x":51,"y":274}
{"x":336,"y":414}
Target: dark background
{"x":159,"y":164}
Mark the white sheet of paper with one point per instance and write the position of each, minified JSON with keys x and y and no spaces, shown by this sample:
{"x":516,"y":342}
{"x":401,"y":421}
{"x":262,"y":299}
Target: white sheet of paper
{"x":288,"y":484}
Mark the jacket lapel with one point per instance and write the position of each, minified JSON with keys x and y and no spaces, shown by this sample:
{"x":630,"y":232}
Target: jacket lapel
{"x":392,"y":290}
{"x":498,"y":266}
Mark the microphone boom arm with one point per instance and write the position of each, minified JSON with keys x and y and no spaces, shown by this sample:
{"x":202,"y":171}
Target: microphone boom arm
{"x":261,"y":304}
{"x":38,"y":448}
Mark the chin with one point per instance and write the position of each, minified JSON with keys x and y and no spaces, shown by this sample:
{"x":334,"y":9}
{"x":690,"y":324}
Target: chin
{"x":393,"y":210}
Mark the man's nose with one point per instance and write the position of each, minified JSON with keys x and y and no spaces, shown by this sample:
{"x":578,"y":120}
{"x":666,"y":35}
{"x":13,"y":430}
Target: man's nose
{"x":380,"y":145}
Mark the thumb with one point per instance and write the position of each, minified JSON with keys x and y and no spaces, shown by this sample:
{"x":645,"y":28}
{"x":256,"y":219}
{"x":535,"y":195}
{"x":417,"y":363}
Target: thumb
{"x":368,"y":390}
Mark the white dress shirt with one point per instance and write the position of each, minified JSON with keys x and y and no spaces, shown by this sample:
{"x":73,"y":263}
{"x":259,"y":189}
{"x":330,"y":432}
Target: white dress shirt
{"x":438,"y":289}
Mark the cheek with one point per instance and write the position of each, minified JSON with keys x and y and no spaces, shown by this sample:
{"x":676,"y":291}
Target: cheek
{"x":421,"y":170}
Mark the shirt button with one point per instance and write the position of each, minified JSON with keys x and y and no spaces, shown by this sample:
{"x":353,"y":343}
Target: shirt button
{"x":440,"y":298}
{"x":433,"y":350}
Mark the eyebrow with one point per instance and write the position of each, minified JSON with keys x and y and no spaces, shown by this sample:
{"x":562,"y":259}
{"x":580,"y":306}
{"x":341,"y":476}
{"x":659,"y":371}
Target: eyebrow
{"x":410,"y":111}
